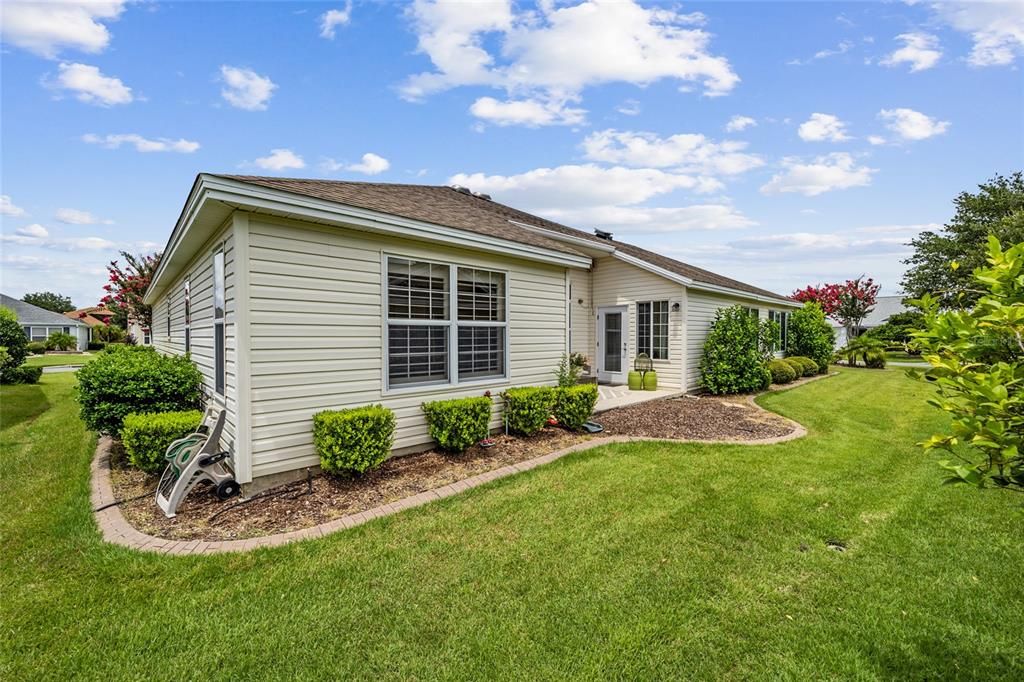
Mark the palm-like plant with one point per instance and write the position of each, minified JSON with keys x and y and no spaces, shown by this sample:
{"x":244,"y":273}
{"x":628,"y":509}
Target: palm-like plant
{"x":870,"y":351}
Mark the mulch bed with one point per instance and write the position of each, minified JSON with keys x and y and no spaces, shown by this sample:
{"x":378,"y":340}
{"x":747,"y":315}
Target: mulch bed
{"x":695,"y":418}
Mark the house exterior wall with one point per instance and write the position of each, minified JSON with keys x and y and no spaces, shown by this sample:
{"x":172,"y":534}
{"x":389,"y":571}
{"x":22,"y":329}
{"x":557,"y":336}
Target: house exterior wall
{"x":41,"y":332}
{"x":581,"y":314}
{"x":316,"y":333}
{"x":618,"y":283}
{"x":199,"y":273}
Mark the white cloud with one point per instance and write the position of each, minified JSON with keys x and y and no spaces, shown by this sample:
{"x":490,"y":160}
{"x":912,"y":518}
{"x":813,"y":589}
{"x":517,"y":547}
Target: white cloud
{"x":822,"y":128}
{"x":920,"y":50}
{"x":690,"y":153}
{"x":46,"y":28}
{"x":37,"y":235}
{"x":30,"y":235}
{"x":876,"y":140}
{"x":332,"y":19}
{"x":833,"y":171}
{"x":739,"y":123}
{"x":997,"y":29}
{"x":89,"y":85}
{"x":912,"y":125}
{"x":553,"y":53}
{"x":246,"y":89}
{"x":528,"y":112}
{"x":7,"y":207}
{"x":84,"y":243}
{"x":371,"y":164}
{"x":74,"y":216}
{"x":629,"y":107}
{"x":652,"y":220}
{"x":34,"y":230}
{"x":142,"y":144}
{"x":280,"y":159}
{"x":842,"y":48}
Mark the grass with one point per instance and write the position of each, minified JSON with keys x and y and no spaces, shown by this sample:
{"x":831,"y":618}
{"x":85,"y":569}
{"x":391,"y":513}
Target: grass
{"x":902,"y":356}
{"x":59,"y":360}
{"x":641,"y":560}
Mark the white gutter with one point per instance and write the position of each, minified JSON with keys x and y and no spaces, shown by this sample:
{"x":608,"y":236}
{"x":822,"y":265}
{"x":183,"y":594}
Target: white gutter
{"x":568,"y":238}
{"x":743,"y":294}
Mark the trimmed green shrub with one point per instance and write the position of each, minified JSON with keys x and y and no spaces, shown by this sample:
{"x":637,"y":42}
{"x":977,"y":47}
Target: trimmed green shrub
{"x":61,"y":341}
{"x":36,"y":347}
{"x":135,"y":379}
{"x":355,"y":439}
{"x":782,"y":372}
{"x":527,"y":409}
{"x":810,"y":367}
{"x":735,"y":353}
{"x":458,"y":423}
{"x":810,"y":335}
{"x":21,"y":375}
{"x":575,"y":404}
{"x":146,"y":436}
{"x":874,"y":359}
{"x":97,"y":345}
{"x":12,"y":337}
{"x":798,"y":367}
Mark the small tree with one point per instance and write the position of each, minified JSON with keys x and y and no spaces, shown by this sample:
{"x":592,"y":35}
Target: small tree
{"x":126,"y":288}
{"x":810,"y":335}
{"x":736,"y":352}
{"x":977,"y":366}
{"x":50,"y":301}
{"x":856,"y":300}
{"x":12,"y":340}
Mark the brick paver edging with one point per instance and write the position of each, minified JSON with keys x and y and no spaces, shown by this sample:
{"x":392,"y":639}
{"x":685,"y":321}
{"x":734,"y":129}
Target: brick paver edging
{"x":116,"y":529}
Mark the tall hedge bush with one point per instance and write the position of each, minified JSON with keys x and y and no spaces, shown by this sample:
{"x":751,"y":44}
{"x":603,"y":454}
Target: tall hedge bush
{"x":810,"y":335}
{"x":736,"y":353}
{"x":135,"y":379}
{"x":354,"y":439}
{"x":458,"y":423}
{"x":146,"y":436}
{"x":527,"y":409}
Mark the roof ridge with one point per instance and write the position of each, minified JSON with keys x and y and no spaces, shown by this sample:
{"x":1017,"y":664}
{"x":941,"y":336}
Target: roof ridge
{"x":331,"y":181}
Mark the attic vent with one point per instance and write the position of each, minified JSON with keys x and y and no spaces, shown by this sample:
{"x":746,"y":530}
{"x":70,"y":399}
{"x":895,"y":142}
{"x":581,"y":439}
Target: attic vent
{"x":603,"y":235}
{"x":466,"y":190}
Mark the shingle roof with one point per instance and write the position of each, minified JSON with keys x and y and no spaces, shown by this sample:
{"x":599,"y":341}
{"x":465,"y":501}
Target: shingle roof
{"x":447,"y":206}
{"x":29,"y":314}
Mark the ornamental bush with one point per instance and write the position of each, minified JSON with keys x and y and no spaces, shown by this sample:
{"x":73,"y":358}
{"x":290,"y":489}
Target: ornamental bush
{"x":146,"y":436}
{"x":12,"y":338}
{"x":575,"y":404}
{"x":810,"y":367}
{"x":135,"y":379}
{"x":527,"y":409}
{"x":458,"y":423}
{"x":736,"y":353}
{"x":798,"y":367}
{"x":60,"y":341}
{"x":810,"y":335}
{"x":21,"y":375}
{"x":354,"y":439}
{"x":782,"y":372}
{"x":36,"y":347}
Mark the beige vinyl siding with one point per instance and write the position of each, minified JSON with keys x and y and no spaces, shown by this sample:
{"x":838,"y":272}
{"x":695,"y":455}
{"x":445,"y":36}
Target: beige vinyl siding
{"x":200,"y":274}
{"x":317,"y":333}
{"x":618,"y":283}
{"x":582,"y":313}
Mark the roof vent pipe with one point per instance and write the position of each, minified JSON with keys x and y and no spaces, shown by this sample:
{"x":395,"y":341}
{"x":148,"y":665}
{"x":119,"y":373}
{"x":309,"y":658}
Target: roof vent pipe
{"x":603,"y":235}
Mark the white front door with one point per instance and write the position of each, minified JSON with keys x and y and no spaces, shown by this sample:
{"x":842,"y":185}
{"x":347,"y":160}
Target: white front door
{"x":612,"y":336}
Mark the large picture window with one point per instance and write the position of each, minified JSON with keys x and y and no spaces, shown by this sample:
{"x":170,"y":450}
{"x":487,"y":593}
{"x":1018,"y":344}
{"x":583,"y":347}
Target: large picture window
{"x":652,"y":329}
{"x":423,"y":332}
{"x":782,"y":318}
{"x":219,"y":370}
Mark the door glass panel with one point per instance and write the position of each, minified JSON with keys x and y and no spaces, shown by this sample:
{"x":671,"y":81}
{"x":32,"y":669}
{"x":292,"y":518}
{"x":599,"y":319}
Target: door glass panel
{"x":613,"y":342}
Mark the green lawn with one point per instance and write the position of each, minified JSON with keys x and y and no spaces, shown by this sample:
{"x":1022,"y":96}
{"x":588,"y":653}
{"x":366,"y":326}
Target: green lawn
{"x":59,"y":360}
{"x":901,"y":356}
{"x":630,"y":561}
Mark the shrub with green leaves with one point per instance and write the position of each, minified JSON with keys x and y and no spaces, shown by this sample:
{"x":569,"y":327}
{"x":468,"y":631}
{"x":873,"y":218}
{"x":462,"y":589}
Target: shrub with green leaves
{"x":798,"y":367}
{"x":458,"y":423}
{"x":810,"y":367}
{"x":12,"y":338}
{"x":135,"y":379}
{"x":782,"y":372}
{"x":60,"y":341}
{"x":146,"y":436}
{"x":736,"y":353}
{"x":809,"y":334}
{"x":21,"y":375}
{"x":355,"y":439}
{"x":575,"y":404}
{"x":97,"y":345}
{"x":36,"y":347}
{"x":869,"y":351}
{"x":527,"y":409}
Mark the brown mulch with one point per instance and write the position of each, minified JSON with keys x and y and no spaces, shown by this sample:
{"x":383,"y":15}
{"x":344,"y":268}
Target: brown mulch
{"x":695,"y":418}
{"x":291,"y":507}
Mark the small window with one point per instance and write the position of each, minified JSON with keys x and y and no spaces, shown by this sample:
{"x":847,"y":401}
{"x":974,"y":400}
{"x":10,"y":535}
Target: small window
{"x":28,"y":332}
{"x":219,"y":370}
{"x":188,"y":316}
{"x":753,"y":312}
{"x":782,"y":319}
{"x":38,"y":334}
{"x":652,"y":329}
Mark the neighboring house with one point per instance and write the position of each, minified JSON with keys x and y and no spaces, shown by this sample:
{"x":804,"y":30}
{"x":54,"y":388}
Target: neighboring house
{"x":93,"y":316}
{"x":295,"y":296}
{"x":885,"y":307}
{"x":39,"y":323}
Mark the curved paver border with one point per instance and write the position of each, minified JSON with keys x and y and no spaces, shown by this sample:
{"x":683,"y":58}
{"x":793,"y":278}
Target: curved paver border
{"x":116,"y":529}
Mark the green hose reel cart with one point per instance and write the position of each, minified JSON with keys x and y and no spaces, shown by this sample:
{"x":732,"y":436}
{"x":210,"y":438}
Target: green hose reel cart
{"x":643,"y":377}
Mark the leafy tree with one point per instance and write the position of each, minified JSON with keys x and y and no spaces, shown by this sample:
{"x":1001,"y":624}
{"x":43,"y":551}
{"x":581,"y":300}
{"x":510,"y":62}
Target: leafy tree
{"x":810,"y":335}
{"x":996,"y":209}
{"x":898,"y":328}
{"x":126,"y":288}
{"x":825,"y":295}
{"x":736,"y":352}
{"x":12,"y":340}
{"x":50,"y":301}
{"x":977,"y":366}
{"x":856,"y":300}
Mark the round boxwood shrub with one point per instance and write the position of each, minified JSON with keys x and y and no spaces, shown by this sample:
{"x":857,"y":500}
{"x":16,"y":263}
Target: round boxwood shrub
{"x":798,"y":367}
{"x":782,"y":372}
{"x":527,"y":409}
{"x":146,"y":436}
{"x":810,"y":367}
{"x":810,"y":335}
{"x":12,"y":338}
{"x":458,"y":423}
{"x":575,"y":404}
{"x":735,"y":357}
{"x":354,"y":439}
{"x":135,"y":379}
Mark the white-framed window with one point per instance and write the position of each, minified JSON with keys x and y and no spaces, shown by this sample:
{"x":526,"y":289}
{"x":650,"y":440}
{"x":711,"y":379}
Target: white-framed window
{"x":39,"y":334}
{"x":446,"y":323}
{"x":188,"y":316}
{"x":783,"y":319}
{"x":652,"y":329}
{"x":753,"y":312}
{"x":219,"y":365}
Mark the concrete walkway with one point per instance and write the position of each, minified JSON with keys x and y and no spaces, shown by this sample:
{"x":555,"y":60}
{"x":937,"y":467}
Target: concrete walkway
{"x":610,"y":397}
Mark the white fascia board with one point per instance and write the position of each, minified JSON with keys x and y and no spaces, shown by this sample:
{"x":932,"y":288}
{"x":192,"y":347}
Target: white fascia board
{"x":744,"y":294}
{"x":568,"y":238}
{"x":650,"y":267}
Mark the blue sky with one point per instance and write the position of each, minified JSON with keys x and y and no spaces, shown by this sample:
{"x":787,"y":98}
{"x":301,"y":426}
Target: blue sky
{"x":779,"y":143}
